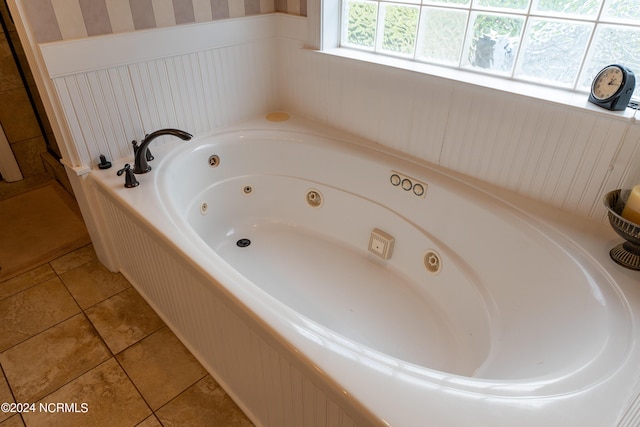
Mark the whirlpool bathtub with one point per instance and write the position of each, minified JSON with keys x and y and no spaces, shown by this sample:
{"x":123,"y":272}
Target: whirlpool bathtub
{"x":332,"y":282}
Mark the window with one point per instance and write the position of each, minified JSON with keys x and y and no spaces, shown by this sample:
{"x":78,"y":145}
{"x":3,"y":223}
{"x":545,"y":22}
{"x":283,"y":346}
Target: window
{"x":561,"y":43}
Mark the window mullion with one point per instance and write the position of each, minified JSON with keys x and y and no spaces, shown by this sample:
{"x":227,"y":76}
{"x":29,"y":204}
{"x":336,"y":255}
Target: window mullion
{"x":601,"y":11}
{"x":525,"y":28}
{"x":415,"y":45}
{"x":585,"y":56}
{"x":588,"y":53}
{"x":552,"y":36}
{"x":466,"y":34}
{"x":379,"y":27}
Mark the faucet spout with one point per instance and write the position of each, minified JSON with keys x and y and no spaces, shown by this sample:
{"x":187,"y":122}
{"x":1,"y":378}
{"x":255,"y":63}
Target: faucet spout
{"x":141,"y":165}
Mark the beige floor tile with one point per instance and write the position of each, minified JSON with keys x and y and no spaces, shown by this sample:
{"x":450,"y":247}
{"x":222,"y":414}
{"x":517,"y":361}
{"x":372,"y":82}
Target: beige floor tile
{"x":5,"y":396}
{"x":92,"y":283}
{"x":203,"y":404}
{"x":52,"y":358}
{"x":26,"y":280}
{"x":10,"y":189}
{"x":152,"y":421}
{"x":110,"y":397}
{"x":45,"y":223}
{"x":160,"y":367}
{"x":74,"y":259}
{"x":34,"y":310}
{"x":124,"y":319}
{"x":14,"y":421}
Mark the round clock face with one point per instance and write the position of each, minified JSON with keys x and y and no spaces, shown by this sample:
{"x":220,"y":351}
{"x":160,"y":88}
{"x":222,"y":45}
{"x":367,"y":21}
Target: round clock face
{"x":607,"y":82}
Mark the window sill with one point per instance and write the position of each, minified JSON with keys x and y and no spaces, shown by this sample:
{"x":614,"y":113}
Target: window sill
{"x":557,"y":96}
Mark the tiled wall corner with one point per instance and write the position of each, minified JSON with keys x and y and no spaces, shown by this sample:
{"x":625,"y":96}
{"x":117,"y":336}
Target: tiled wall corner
{"x":17,"y":117}
{"x":9,"y":76}
{"x":17,"y":113}
{"x":28,"y":153}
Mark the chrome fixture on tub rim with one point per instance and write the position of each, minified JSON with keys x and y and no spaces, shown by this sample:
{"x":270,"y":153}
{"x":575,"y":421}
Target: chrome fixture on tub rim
{"x":627,"y":253}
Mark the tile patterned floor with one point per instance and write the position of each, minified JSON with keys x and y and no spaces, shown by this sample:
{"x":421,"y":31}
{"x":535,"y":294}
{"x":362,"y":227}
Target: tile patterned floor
{"x":72,"y":332}
{"x":38,"y":226}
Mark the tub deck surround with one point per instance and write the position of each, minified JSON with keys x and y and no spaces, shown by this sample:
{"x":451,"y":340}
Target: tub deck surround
{"x":527,"y":323}
{"x":209,"y":75}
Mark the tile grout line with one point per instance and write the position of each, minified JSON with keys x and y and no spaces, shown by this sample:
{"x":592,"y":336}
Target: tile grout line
{"x":136,"y":388}
{"x":113,"y":355}
{"x":12,"y":395}
{"x":81,"y":310}
{"x":94,"y":330}
{"x":178,"y":395}
{"x":32,"y":286}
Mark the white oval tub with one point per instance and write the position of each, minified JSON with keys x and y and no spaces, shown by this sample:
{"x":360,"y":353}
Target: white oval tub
{"x":482,"y":315}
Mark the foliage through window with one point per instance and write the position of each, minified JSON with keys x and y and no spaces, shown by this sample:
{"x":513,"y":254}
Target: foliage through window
{"x":561,"y":43}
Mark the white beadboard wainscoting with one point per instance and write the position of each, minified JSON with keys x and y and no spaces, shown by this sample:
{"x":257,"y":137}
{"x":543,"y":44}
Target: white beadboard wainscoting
{"x":196,"y":78}
{"x":565,"y":156}
{"x":203,"y":76}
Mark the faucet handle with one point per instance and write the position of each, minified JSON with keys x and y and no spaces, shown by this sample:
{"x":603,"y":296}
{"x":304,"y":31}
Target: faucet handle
{"x":130,"y":180}
{"x":104,"y":163}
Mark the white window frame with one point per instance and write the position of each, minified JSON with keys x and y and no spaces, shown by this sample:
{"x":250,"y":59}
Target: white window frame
{"x":324,"y":35}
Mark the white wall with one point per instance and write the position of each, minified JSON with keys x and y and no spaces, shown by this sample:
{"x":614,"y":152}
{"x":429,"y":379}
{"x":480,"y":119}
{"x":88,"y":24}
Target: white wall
{"x":563,"y":156}
{"x":194,"y":78}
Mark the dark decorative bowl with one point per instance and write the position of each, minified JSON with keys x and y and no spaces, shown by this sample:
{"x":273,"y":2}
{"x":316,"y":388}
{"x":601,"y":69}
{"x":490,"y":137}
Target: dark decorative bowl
{"x":627,"y":253}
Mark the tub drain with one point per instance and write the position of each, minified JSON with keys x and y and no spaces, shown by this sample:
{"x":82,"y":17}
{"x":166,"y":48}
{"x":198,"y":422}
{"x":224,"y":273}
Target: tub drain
{"x":243,"y":243}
